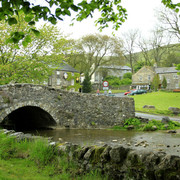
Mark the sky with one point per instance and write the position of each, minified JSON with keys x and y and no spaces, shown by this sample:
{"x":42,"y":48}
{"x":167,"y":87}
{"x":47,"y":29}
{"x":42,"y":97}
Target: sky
{"x":141,"y":15}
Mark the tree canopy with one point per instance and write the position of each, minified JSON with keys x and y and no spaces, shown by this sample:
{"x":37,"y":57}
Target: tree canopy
{"x":111,"y":11}
{"x":33,"y":62}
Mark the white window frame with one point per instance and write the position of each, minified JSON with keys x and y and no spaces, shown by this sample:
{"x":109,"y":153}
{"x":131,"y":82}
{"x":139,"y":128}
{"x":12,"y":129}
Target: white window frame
{"x":57,"y":72}
{"x":58,"y":81}
{"x":72,"y":82}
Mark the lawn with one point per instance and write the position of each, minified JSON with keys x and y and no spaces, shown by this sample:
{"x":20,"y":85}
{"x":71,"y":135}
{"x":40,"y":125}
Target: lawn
{"x":161,"y":100}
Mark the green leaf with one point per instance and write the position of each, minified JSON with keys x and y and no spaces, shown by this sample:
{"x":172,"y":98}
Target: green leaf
{"x":28,"y":18}
{"x":52,"y":20}
{"x":31,"y":23}
{"x":36,"y":32}
{"x":66,"y":11}
{"x":12,"y":21}
{"x":24,"y":43}
{"x":58,"y":12}
{"x":28,"y":38}
{"x":74,"y":8}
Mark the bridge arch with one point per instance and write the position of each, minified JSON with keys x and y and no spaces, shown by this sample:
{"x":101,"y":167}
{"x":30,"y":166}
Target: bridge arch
{"x":28,"y":115}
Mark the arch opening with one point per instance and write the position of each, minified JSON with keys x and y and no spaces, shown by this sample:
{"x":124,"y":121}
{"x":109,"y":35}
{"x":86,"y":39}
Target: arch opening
{"x":28,"y":118}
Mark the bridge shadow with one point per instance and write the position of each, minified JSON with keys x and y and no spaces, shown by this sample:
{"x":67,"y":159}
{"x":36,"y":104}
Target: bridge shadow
{"x":28,"y":118}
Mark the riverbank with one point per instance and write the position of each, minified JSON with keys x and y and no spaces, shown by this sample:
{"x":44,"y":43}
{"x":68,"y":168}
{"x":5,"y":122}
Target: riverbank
{"x":28,"y":157}
{"x":23,"y":156}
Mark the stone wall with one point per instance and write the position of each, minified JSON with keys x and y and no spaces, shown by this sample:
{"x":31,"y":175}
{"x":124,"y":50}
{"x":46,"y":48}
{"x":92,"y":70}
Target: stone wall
{"x":123,"y":163}
{"x":68,"y":109}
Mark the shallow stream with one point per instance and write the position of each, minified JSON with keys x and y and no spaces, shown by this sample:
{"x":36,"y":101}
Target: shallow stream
{"x":148,"y":141}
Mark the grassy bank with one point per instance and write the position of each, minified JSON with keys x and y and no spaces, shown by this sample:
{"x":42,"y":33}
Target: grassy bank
{"x":161,"y":100}
{"x":36,"y":160}
{"x":153,"y":125}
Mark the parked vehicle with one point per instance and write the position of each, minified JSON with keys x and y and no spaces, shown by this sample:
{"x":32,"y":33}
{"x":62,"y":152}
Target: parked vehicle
{"x":128,"y":92}
{"x":138,"y":91}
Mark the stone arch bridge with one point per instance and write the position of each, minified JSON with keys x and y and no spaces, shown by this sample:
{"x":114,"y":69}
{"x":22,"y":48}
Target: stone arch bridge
{"x":28,"y":106}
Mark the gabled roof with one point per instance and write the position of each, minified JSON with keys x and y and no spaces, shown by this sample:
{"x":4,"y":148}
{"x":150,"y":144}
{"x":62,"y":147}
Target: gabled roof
{"x":164,"y":70}
{"x":66,"y":67}
{"x":146,"y":69}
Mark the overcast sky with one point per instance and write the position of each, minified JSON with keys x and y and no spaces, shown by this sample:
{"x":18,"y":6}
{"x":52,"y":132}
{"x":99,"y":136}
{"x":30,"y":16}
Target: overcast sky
{"x":141,"y":15}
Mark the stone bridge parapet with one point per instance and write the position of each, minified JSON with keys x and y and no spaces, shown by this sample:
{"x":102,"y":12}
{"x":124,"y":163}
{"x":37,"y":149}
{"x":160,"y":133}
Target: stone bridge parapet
{"x":67,"y":109}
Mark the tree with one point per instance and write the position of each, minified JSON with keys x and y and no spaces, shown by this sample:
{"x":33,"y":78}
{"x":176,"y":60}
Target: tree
{"x":129,"y":44}
{"x":32,"y":62}
{"x":110,"y":12}
{"x":170,"y":22}
{"x":96,"y":50}
{"x":164,"y":82}
{"x":155,"y":83}
{"x":87,"y":87}
{"x":159,"y":45}
{"x":144,"y":45}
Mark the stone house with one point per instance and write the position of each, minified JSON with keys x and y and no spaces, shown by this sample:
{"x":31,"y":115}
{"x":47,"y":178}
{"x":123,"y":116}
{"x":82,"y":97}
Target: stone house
{"x":143,"y":78}
{"x":65,"y":77}
{"x":111,"y":70}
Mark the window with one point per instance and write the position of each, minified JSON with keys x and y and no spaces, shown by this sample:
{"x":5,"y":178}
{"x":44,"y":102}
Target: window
{"x":177,"y":86}
{"x":160,"y":77}
{"x":175,"y":76}
{"x":50,"y":81}
{"x":72,"y":74}
{"x":58,"y":72}
{"x":140,"y":78}
{"x":58,"y":81}
{"x":72,"y":82}
{"x":96,"y":76}
{"x":149,"y":77}
{"x":168,"y":81}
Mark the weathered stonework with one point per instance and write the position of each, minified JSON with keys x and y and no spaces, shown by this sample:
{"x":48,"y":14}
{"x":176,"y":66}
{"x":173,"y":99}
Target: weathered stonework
{"x":68,"y":109}
{"x":124,"y":163}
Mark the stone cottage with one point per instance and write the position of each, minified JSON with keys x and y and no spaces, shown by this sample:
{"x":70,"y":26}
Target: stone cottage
{"x":65,"y":77}
{"x":143,"y":78}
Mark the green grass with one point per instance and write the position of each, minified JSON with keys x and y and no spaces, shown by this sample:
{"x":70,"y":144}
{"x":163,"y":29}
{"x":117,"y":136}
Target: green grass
{"x":161,"y":100}
{"x":36,"y":160}
{"x":138,"y":125}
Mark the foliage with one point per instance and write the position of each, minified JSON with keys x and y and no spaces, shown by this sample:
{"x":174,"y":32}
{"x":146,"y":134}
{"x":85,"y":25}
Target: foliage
{"x":150,"y":126}
{"x":110,"y":12}
{"x":132,"y":121}
{"x":160,"y":126}
{"x":76,"y":78}
{"x":87,"y":87}
{"x":155,"y":82}
{"x":116,"y":81}
{"x":178,"y":68}
{"x":164,"y":82}
{"x":127,"y":75}
{"x":30,"y":64}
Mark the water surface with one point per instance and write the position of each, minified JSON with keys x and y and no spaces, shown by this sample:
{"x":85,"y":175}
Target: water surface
{"x":150,"y":141}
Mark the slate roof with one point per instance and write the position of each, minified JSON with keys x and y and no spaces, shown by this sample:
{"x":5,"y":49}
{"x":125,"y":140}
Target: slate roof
{"x":116,"y":67}
{"x":164,"y":70}
{"x":66,"y":67}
